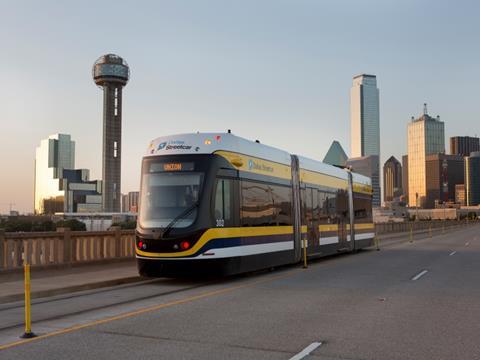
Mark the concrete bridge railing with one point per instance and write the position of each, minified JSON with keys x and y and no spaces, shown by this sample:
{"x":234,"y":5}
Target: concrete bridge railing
{"x":65,"y":247}
{"x":397,"y":227}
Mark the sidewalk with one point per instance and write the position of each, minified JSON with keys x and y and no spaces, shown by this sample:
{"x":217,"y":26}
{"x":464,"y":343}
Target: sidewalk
{"x":66,"y":280}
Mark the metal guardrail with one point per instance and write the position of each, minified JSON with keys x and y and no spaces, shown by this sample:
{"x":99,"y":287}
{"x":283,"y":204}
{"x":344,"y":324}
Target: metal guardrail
{"x":65,"y":247}
{"x":43,"y":249}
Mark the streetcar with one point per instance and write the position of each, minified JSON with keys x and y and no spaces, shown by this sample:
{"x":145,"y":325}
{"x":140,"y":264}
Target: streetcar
{"x":216,"y":203}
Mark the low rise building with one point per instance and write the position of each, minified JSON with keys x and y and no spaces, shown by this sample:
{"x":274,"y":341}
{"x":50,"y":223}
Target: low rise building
{"x":460,"y":194}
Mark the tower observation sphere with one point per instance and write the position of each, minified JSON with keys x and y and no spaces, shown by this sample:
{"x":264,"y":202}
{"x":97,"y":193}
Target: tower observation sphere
{"x":111,"y":73}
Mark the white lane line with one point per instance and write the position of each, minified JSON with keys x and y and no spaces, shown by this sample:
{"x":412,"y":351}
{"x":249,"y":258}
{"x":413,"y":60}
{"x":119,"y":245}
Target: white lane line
{"x":467,"y":243}
{"x":305,"y":352}
{"x":419,"y":275}
{"x":452,"y":253}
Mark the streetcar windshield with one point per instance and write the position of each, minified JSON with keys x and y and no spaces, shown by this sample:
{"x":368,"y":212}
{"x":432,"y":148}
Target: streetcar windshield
{"x":166,"y":195}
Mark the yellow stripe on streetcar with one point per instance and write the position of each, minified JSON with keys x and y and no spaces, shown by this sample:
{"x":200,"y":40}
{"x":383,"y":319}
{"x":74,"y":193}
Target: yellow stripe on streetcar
{"x":257,"y":165}
{"x":331,"y":227}
{"x":222,"y":233}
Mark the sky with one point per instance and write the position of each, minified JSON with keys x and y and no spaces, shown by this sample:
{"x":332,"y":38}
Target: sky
{"x":275,"y":70}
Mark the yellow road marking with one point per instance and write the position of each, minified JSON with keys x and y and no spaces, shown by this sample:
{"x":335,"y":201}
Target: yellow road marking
{"x":145,"y":310}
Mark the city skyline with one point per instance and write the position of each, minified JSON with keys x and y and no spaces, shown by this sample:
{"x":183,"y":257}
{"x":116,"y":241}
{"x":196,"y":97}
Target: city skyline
{"x":255,"y":74}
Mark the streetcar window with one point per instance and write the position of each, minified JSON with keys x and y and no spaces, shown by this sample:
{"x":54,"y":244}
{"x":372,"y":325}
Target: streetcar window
{"x":257,"y":204}
{"x":282,"y":203}
{"x":327,"y":202}
{"x":342,"y":204}
{"x":362,"y":208}
{"x":308,"y":205}
{"x":315,"y":204}
{"x":165,"y":196}
{"x":265,"y":204}
{"x":223,"y":203}
{"x":322,"y":207}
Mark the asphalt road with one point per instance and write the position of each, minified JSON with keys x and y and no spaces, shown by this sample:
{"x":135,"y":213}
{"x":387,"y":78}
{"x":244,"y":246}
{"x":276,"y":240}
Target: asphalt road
{"x":416,"y":300}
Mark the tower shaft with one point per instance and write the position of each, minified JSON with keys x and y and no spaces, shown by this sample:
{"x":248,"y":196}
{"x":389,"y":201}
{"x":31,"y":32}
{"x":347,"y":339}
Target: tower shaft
{"x":112,"y":146}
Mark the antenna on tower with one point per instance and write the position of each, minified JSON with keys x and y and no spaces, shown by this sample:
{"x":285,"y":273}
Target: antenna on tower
{"x":425,"y":112}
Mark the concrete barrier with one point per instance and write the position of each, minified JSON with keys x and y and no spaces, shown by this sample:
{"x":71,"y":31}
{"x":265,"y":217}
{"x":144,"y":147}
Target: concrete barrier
{"x":64,"y":247}
{"x":397,"y":227}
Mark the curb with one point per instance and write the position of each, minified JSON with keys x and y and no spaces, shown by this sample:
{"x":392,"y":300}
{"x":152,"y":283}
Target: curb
{"x":71,"y":289}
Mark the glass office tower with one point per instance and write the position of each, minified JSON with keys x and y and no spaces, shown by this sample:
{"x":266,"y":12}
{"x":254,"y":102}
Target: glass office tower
{"x":365,"y":116}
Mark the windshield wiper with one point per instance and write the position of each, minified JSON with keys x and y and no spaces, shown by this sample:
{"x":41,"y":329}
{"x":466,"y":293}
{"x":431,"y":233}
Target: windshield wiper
{"x":179,"y":217}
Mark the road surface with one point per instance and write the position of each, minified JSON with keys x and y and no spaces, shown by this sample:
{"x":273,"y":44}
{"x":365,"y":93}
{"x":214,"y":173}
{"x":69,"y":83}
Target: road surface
{"x":417,"y":300}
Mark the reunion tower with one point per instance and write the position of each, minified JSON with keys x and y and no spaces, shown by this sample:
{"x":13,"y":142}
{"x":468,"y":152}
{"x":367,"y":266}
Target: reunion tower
{"x":111,"y":73}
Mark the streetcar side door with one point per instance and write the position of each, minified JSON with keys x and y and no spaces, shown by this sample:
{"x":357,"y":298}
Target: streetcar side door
{"x":312,"y":213}
{"x":342,"y":209}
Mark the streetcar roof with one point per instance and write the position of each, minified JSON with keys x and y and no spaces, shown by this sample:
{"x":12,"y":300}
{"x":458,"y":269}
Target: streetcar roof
{"x":320,"y":167}
{"x":209,"y":143}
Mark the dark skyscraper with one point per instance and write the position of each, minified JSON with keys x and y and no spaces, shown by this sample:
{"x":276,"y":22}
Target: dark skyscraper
{"x":443,"y":173}
{"x":111,"y":73}
{"x":405,"y":177}
{"x":472,"y":179}
{"x":464,"y":145}
{"x":392,"y":179}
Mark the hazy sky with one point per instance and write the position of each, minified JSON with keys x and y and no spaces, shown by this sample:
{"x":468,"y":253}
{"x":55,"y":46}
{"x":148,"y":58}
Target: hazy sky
{"x":278,"y":71}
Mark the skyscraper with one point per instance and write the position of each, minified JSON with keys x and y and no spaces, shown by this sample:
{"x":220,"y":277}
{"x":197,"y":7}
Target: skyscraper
{"x":368,"y":166}
{"x":443,"y":173}
{"x":426,"y":136}
{"x":365,"y":116}
{"x":405,"y":177}
{"x":464,"y":145}
{"x":54,"y":154}
{"x":472,"y":179}
{"x":112,"y":73}
{"x":392,"y":179}
{"x":59,"y":187}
